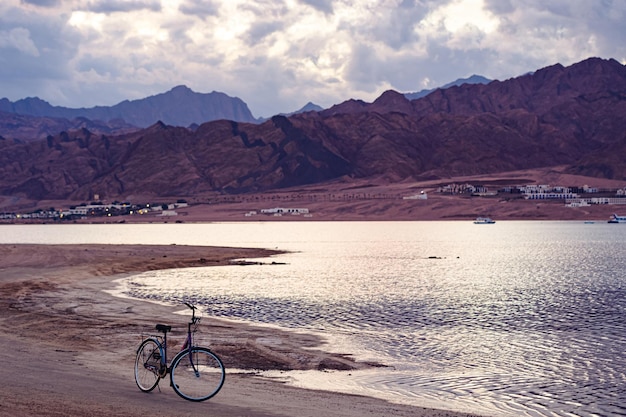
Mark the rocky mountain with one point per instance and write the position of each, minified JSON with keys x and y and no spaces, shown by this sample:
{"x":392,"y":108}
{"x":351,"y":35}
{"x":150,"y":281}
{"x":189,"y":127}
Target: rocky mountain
{"x":178,"y":107}
{"x":33,"y":118}
{"x":558,"y":116}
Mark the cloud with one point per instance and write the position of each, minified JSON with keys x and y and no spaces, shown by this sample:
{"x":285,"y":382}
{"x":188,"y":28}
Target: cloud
{"x":42,"y":3}
{"x":200,"y":9}
{"x":325,"y":6}
{"x":18,"y":39}
{"x":535,"y":32}
{"x":36,"y":49}
{"x":277,"y":55}
{"x":113,"y":6}
{"x":259,"y":31}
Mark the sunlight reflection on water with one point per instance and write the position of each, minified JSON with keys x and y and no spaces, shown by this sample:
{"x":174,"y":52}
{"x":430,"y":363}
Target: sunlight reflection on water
{"x":515,"y":318}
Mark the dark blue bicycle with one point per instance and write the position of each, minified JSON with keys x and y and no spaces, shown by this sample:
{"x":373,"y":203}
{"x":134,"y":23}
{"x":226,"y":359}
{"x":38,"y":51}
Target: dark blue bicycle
{"x":196,"y":373}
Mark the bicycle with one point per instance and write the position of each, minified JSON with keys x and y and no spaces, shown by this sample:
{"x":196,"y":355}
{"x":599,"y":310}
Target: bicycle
{"x":196,"y":373}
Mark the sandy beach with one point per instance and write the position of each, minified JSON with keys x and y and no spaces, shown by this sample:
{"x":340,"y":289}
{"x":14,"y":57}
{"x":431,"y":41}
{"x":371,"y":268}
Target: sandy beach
{"x":68,"y":345}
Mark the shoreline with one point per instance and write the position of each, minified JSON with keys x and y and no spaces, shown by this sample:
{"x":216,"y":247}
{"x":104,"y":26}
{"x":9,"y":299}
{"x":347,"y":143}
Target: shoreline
{"x":79,"y":341}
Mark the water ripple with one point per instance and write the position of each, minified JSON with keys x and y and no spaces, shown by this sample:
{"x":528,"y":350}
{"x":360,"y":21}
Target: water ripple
{"x":531,"y":327}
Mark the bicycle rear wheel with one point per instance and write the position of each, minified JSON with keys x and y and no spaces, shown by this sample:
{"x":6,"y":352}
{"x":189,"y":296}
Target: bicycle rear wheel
{"x":147,"y":364}
{"x":197,"y":374}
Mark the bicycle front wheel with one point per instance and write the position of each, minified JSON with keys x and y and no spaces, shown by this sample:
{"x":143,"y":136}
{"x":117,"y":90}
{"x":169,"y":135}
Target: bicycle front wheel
{"x":197,"y":374}
{"x":147,"y":365}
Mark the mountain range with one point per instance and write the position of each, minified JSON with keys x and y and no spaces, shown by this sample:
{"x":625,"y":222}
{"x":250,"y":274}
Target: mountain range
{"x":33,"y":118}
{"x":569,"y":117}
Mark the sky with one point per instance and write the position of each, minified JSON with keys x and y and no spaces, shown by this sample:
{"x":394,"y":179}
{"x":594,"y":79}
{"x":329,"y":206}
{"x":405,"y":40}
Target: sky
{"x":277,"y":55}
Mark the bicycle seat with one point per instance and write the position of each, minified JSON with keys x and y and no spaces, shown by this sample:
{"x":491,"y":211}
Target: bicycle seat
{"x":163,"y":328}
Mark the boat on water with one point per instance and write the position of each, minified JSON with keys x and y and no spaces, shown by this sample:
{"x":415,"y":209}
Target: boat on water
{"x":617,"y":219}
{"x":484,"y":220}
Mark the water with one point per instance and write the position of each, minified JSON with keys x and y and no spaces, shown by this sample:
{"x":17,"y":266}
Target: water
{"x":516,"y":318}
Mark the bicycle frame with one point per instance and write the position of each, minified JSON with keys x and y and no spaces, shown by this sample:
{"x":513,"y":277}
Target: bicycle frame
{"x":164,"y":369}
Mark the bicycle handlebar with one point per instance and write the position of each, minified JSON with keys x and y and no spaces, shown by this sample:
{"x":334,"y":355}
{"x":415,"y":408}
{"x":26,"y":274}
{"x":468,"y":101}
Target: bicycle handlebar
{"x":193,"y":308}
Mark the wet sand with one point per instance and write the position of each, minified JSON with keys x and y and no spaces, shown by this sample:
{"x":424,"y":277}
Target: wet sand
{"x":68,"y":345}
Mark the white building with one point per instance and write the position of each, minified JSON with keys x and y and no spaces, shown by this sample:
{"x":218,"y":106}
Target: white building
{"x":280,"y":211}
{"x":421,"y":196}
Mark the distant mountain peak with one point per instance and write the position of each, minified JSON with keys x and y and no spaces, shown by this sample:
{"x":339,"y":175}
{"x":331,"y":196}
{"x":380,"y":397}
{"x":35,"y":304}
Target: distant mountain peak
{"x":158,"y":126}
{"x":182,"y":87}
{"x":180,"y":91}
{"x":310,"y":107}
{"x":473,"y":79}
{"x":390,"y":95}
{"x":391,"y":100}
{"x":349,"y":106}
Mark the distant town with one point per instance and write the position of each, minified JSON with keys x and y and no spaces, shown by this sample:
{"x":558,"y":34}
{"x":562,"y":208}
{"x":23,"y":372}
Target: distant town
{"x":571,"y":197}
{"x":97,"y":209}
